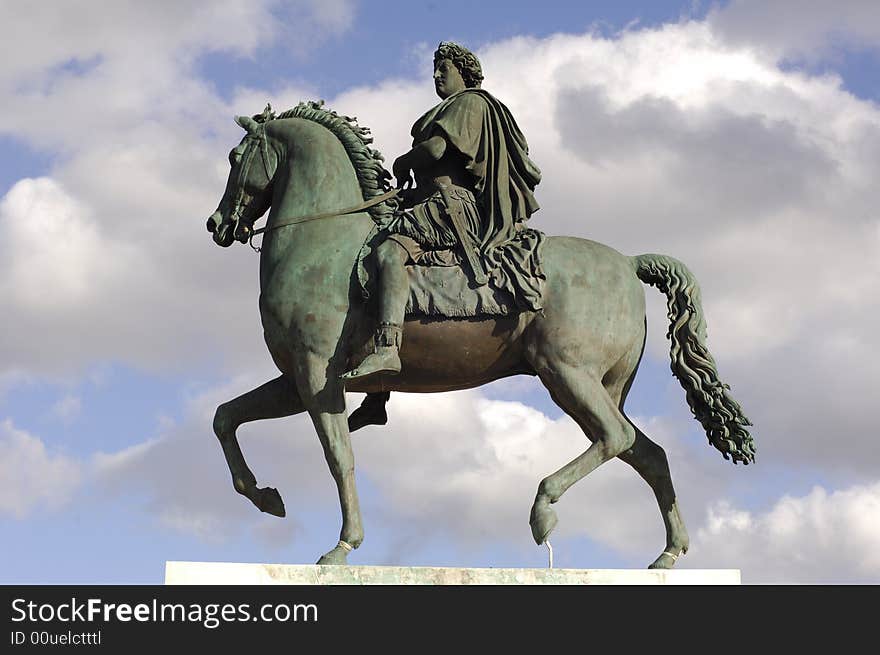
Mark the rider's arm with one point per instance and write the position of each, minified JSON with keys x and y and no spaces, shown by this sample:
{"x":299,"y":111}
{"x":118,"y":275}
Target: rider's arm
{"x":421,"y":156}
{"x":427,"y":152}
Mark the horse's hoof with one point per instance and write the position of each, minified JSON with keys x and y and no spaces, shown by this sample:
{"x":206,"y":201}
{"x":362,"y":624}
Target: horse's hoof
{"x":666,"y":560}
{"x":543,"y":519}
{"x":338,"y":555}
{"x":269,"y":500}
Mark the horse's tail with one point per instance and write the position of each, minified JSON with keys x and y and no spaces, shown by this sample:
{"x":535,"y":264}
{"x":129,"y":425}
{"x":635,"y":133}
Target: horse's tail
{"x":708,"y":398}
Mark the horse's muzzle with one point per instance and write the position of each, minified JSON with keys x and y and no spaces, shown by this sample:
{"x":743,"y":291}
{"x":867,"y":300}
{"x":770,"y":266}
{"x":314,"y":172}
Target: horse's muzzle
{"x":223,"y":235}
{"x":214,"y":221}
{"x":222,"y":230}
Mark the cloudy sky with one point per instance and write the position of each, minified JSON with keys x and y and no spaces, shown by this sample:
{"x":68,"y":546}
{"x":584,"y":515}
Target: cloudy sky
{"x":741,"y":137}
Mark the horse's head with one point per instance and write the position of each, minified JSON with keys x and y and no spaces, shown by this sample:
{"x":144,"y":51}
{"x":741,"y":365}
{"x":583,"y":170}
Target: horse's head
{"x":249,"y":188}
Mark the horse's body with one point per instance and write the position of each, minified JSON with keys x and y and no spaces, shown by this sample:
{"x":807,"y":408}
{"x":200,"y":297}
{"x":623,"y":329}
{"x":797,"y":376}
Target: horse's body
{"x":585,"y":347}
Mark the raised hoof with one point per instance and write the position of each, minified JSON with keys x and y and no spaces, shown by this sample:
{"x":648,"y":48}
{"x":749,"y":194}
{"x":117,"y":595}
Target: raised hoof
{"x":386,"y":360}
{"x":338,"y":555}
{"x":364,"y":416}
{"x":543,"y":519}
{"x":666,"y":560}
{"x":269,"y":500}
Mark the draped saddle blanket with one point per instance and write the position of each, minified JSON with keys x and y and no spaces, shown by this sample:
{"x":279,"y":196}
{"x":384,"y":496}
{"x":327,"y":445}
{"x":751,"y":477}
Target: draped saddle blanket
{"x":450,"y":291}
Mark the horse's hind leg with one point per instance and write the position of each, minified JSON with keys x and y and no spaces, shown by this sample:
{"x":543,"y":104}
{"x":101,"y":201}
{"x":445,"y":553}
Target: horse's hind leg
{"x":586,"y":400}
{"x":649,"y":461}
{"x":275,"y":399}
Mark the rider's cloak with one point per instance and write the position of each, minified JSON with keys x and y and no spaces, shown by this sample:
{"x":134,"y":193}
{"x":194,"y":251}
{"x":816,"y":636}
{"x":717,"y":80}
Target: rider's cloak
{"x":496,"y":155}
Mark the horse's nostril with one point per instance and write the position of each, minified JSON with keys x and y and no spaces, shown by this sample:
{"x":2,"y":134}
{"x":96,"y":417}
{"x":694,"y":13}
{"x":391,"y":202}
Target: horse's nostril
{"x":214,"y":221}
{"x":223,"y":236}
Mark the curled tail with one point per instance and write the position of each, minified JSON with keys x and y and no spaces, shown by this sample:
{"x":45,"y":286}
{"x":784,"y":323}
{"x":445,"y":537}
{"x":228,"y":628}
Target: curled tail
{"x":709,"y":400}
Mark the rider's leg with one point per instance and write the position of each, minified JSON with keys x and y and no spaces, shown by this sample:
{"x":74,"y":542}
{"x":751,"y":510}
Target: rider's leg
{"x":393,"y":282}
{"x":393,"y":292}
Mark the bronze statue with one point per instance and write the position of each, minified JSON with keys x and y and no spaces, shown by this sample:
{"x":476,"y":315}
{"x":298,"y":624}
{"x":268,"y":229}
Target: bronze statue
{"x":441,"y":286}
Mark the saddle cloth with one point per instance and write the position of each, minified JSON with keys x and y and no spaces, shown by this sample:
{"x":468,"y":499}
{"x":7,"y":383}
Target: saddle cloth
{"x":448,"y":291}
{"x":440,"y":291}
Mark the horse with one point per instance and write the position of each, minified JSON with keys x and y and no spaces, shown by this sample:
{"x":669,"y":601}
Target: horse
{"x":304,"y":166}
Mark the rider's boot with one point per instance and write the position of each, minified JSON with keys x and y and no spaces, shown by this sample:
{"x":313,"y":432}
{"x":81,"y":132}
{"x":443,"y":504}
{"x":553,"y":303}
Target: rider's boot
{"x":385,"y":357}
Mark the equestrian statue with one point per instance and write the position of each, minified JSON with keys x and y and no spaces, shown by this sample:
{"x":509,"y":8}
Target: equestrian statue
{"x":439,"y":284}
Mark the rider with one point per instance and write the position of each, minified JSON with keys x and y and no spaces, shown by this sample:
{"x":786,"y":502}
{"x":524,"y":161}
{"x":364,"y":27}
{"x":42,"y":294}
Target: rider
{"x":470,"y":159}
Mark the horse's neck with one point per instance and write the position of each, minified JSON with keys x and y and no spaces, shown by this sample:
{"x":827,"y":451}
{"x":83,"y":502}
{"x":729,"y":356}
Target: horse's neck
{"x":314,"y":176}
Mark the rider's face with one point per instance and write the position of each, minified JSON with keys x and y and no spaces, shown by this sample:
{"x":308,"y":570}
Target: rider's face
{"x":447,"y":79}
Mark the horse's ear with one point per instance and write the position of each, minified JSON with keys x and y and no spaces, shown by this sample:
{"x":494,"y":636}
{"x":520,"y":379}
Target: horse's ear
{"x":267,"y":115}
{"x":248,"y":123}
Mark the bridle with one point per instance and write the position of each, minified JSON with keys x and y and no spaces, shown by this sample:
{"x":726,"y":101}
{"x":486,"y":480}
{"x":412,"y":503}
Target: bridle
{"x":238,"y":205}
{"x":260,"y":134}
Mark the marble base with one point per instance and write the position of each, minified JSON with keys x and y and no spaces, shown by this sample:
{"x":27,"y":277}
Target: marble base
{"x":228,"y":573}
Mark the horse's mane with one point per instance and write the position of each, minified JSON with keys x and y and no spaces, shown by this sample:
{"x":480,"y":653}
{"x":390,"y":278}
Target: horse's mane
{"x":367,"y":161}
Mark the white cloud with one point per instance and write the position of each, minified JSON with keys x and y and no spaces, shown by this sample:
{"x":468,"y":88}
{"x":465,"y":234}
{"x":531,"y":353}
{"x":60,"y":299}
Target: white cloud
{"x":149,"y":37}
{"x":79,"y":290}
{"x":33,"y":477}
{"x":811,"y":30}
{"x":823,"y":537}
{"x":53,"y":255}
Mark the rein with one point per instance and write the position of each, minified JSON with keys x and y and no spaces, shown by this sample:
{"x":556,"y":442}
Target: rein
{"x":372,"y":202}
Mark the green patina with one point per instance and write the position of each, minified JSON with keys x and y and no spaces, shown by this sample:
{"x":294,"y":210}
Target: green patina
{"x":583,"y":334}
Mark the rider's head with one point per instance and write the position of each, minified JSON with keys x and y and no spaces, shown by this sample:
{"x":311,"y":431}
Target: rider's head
{"x":465,"y":61}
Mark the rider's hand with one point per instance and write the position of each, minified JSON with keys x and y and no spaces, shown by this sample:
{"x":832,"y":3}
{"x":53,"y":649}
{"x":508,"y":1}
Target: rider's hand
{"x":402,"y":173}
{"x":407,"y":198}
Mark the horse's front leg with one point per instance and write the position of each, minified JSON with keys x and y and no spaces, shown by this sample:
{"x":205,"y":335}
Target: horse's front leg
{"x":324,"y":396}
{"x":274,"y":399}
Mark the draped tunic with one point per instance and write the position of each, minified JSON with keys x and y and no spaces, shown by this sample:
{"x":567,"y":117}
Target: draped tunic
{"x":495,"y":156}
{"x":493,"y":179}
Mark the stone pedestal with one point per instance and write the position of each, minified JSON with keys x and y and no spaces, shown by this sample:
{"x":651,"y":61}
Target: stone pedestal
{"x":222,"y":573}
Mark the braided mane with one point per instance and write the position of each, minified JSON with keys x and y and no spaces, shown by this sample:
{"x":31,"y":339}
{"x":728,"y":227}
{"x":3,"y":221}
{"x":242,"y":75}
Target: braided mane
{"x":367,"y":161}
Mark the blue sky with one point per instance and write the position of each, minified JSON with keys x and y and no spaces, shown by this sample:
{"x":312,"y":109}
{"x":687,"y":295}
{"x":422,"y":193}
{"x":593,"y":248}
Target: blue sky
{"x":689,"y":128}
